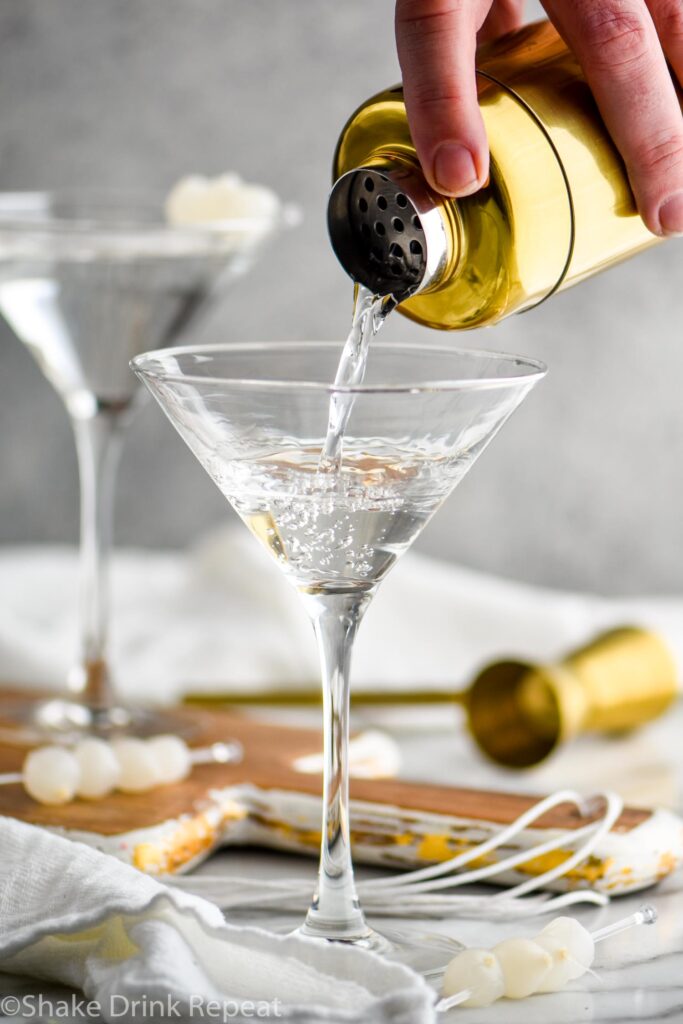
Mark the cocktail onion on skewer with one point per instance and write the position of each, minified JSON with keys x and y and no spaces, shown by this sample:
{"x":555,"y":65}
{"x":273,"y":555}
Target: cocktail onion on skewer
{"x":93,"y":768}
{"x":519,"y":967}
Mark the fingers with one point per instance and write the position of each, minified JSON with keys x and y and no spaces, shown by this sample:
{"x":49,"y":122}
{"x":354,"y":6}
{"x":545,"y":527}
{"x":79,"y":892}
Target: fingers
{"x":436,"y":42}
{"x":668,"y":18}
{"x":619,"y":50}
{"x":504,"y":16}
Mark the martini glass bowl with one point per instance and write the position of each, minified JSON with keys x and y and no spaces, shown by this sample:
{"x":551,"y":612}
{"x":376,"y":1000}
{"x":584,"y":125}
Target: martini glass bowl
{"x":87,"y":281}
{"x":256,"y":416}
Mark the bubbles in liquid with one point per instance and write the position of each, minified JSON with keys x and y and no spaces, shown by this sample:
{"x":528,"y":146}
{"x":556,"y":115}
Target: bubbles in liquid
{"x":344,"y":529}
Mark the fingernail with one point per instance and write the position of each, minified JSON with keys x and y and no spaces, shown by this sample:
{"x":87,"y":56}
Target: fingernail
{"x":454,"y":170}
{"x":671,"y":215}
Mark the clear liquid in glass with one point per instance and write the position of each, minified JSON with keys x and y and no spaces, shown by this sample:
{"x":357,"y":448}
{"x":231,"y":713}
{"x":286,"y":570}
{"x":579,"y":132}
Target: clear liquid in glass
{"x":342,"y":531}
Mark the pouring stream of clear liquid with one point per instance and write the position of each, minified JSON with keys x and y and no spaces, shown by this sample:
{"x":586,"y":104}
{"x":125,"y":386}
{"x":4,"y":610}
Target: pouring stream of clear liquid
{"x":369,"y":313}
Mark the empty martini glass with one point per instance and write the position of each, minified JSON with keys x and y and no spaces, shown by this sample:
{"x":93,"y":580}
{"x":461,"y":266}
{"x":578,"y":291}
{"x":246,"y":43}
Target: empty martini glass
{"x":256,"y":417}
{"x":88,"y":280}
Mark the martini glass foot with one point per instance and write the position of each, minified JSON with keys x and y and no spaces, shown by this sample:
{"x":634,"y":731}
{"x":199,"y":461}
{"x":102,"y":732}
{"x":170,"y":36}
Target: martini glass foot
{"x":426,"y":952}
{"x":367,"y":939}
{"x":28,"y":723}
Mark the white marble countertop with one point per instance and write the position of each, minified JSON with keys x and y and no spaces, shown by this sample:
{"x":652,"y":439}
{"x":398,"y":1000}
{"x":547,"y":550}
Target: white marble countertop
{"x":638,"y":974}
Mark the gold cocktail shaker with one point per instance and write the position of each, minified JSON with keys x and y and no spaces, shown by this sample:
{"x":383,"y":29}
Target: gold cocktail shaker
{"x":557,"y":207}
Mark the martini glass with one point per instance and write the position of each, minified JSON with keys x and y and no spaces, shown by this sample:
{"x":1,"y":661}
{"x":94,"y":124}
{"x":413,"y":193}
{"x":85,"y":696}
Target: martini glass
{"x":88,"y":280}
{"x":256,"y":416}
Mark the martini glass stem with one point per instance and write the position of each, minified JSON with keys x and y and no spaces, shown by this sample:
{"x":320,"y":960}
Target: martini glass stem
{"x":98,"y":443}
{"x":335,"y":912}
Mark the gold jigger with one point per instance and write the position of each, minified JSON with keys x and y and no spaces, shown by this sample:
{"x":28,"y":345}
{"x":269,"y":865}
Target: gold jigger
{"x":518,"y":713}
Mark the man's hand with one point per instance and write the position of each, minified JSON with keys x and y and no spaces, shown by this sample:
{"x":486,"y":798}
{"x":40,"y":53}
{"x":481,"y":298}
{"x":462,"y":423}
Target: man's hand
{"x":623,"y":47}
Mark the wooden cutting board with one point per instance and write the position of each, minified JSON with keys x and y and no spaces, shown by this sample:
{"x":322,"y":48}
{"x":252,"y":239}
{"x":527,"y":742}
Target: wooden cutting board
{"x":265,"y":800}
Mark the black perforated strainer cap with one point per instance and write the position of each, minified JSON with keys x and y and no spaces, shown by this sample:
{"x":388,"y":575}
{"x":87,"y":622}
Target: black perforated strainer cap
{"x":386,"y":231}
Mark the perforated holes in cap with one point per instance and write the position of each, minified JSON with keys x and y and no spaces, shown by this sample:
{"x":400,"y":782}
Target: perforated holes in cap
{"x":382,"y":244}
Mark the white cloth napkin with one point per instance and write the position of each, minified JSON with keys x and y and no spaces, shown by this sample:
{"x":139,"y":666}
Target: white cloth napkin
{"x":71,"y":914}
{"x":223,"y":615}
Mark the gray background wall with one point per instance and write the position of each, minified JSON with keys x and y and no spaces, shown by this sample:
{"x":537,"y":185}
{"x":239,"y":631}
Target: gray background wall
{"x":583,"y":489}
